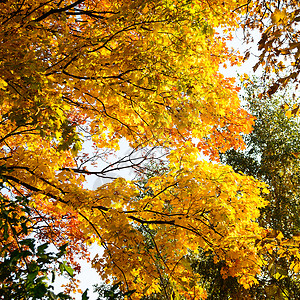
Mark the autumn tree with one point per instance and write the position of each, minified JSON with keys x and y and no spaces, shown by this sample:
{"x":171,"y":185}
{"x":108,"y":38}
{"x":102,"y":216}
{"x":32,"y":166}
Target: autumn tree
{"x":147,"y":72}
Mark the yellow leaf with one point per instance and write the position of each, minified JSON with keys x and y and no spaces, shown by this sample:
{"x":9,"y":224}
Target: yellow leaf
{"x":3,"y":84}
{"x":265,"y":191}
{"x":297,"y":268}
{"x":288,"y":114}
{"x":278,"y":16}
{"x":280,"y":236}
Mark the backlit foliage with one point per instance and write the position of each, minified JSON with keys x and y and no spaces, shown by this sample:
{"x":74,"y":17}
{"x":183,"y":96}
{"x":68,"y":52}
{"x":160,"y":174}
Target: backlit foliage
{"x":148,"y":72}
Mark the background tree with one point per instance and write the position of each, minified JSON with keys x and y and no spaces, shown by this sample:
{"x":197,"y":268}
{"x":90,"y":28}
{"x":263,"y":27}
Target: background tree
{"x":272,"y":155}
{"x":147,"y":72}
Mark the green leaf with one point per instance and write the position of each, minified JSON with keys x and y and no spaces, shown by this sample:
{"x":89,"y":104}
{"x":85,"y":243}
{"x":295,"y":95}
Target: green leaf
{"x":62,"y":250}
{"x":64,"y":267}
{"x":84,"y":295}
{"x":29,"y":243}
{"x":53,"y":276}
{"x":32,"y":276}
{"x":24,"y":227}
{"x":63,"y":296}
{"x":69,"y":270}
{"x":52,"y":295}
{"x":61,"y":267}
{"x":116,"y":286}
{"x":129,"y":293}
{"x":40,"y":290}
{"x":41,"y":248}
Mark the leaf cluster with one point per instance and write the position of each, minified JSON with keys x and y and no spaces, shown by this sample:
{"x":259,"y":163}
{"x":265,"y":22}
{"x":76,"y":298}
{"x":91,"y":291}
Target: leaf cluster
{"x":277,"y":23}
{"x":24,"y":265}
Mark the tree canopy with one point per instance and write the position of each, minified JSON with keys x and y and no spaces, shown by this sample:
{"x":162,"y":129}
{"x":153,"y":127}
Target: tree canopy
{"x":98,"y":72}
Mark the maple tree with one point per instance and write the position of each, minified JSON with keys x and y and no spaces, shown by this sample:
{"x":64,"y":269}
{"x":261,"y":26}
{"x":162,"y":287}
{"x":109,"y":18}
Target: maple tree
{"x":147,"y":72}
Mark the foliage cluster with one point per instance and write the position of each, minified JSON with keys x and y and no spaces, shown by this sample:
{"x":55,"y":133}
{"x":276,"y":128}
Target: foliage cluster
{"x":99,"y":72}
{"x":25,"y":264}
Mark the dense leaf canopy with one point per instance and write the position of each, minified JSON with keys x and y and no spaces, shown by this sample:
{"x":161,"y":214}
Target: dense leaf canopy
{"x":147,"y":72}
